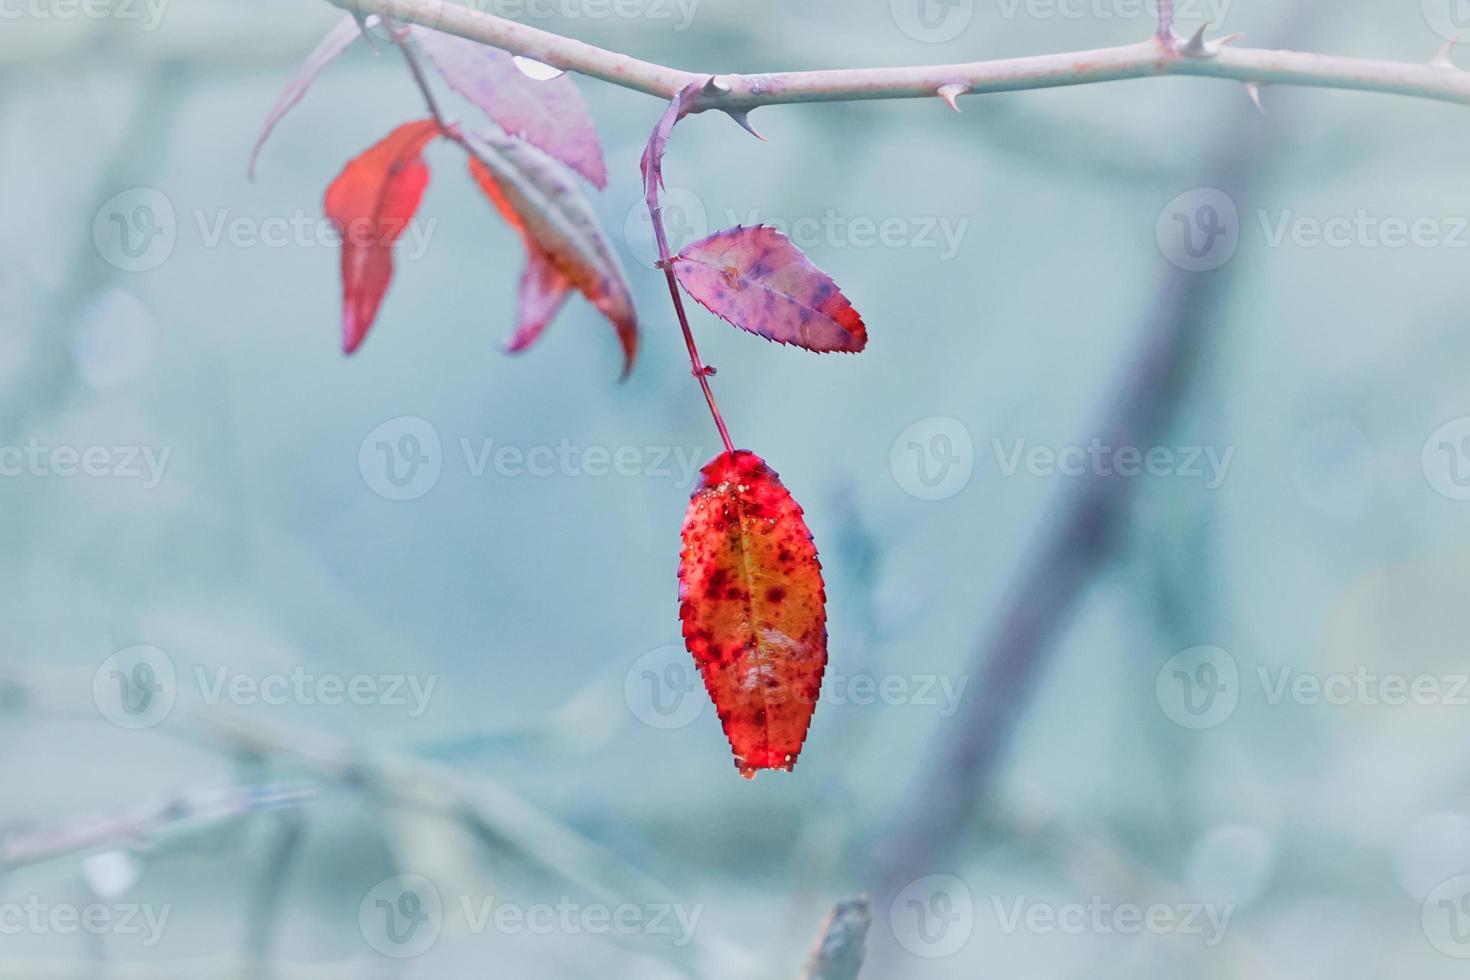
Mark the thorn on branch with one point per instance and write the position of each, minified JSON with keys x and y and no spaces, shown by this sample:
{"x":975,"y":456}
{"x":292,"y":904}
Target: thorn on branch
{"x":1198,"y":47}
{"x":1444,"y":57}
{"x":1253,"y":89}
{"x":742,"y":119}
{"x":713,"y":86}
{"x":951,"y":92}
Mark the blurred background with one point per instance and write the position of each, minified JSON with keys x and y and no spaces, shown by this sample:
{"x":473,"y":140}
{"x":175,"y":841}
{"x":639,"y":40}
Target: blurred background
{"x":1142,"y":518}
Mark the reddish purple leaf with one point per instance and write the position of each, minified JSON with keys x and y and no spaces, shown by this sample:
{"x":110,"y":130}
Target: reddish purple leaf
{"x":544,"y":202}
{"x":756,"y":279}
{"x":547,"y":113}
{"x":339,"y":39}
{"x":652,"y":163}
{"x":543,"y":291}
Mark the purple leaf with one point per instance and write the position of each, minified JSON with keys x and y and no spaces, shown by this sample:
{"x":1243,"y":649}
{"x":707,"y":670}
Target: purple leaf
{"x":547,"y":113}
{"x":543,"y":291}
{"x":339,"y":39}
{"x":756,"y":279}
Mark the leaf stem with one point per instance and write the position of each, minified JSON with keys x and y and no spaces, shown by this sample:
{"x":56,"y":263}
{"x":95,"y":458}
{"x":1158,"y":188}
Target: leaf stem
{"x":700,"y":370}
{"x":400,"y":37}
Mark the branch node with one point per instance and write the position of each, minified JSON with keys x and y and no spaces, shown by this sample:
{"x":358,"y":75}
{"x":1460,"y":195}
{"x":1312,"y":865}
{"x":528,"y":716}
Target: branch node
{"x":952,"y":91}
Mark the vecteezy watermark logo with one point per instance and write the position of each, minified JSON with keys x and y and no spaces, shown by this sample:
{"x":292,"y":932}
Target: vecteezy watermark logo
{"x":684,"y":218}
{"x":1446,"y":459}
{"x":933,"y":917}
{"x":147,"y":12}
{"x":679,"y":13}
{"x":311,"y":689}
{"x":932,"y":21}
{"x":405,"y":20}
{"x":663,"y":688}
{"x":37,"y":917}
{"x":401,"y":916}
{"x":933,"y":458}
{"x":136,"y":687}
{"x":1212,"y":12}
{"x":37,"y":459}
{"x":1447,"y":18}
{"x":1206,"y":463}
{"x":135,"y":230}
{"x":1446,"y":917}
{"x":404,"y":916}
{"x":1199,"y":230}
{"x":402,"y":458}
{"x":1198,"y":688}
{"x":1100,"y":917}
{"x":834,"y":230}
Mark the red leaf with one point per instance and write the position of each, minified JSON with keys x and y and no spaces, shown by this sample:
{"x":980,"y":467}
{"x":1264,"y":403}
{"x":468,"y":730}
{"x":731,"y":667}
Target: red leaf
{"x":756,"y":279}
{"x":753,"y":608}
{"x":540,"y":198}
{"x":339,"y":39}
{"x":543,"y":291}
{"x":371,"y":203}
{"x":547,"y":113}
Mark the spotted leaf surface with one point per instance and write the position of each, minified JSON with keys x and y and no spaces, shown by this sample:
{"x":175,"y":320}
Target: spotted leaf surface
{"x":541,"y":199}
{"x":753,"y":608}
{"x":371,"y":203}
{"x":756,"y":279}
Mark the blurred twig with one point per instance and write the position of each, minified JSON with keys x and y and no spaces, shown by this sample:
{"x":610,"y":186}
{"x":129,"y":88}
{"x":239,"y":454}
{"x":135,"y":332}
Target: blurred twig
{"x":1070,"y":549}
{"x":146,"y":826}
{"x":839,"y":951}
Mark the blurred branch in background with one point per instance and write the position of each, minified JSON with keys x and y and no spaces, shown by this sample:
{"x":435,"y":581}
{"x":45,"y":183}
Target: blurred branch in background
{"x":1071,"y":548}
{"x":839,"y":951}
{"x":489,"y":814}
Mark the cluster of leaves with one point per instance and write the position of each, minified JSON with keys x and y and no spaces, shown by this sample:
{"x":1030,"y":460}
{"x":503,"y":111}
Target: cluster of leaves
{"x":752,"y":600}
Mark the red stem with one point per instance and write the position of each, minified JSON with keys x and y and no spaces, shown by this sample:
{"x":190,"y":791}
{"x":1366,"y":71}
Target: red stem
{"x":701,"y":370}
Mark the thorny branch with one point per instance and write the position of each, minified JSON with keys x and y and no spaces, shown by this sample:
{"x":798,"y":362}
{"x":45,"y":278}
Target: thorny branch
{"x":1163,"y":53}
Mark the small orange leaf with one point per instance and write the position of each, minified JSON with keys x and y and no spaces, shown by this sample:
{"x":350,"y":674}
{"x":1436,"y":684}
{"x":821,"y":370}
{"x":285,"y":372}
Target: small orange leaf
{"x":371,"y":203}
{"x":753,"y":608}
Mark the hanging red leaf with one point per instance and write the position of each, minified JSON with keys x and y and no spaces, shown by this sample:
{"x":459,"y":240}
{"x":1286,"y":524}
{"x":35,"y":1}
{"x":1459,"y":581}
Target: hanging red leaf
{"x":339,"y":39}
{"x":540,"y":198}
{"x":755,"y":278}
{"x":371,"y":203}
{"x":753,"y":608}
{"x":547,"y":113}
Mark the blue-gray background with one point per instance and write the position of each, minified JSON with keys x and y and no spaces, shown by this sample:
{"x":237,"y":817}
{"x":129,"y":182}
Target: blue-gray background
{"x":542,"y":607}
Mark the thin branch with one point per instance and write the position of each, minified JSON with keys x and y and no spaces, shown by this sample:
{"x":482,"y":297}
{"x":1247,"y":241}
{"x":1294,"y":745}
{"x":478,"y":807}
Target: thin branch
{"x":1166,"y":20}
{"x":1161,"y":54}
{"x":144,"y":827}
